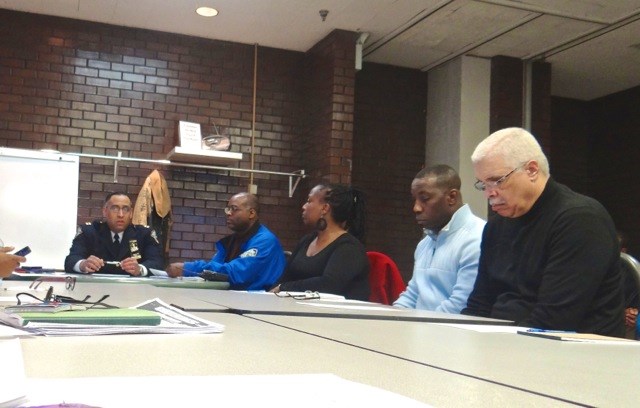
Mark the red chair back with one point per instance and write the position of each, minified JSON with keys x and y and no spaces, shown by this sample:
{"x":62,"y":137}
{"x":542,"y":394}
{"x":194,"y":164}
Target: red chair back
{"x":384,"y":278}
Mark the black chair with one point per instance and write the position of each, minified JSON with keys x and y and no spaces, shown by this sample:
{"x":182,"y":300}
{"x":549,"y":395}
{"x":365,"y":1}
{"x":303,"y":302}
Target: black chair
{"x":632,"y":266}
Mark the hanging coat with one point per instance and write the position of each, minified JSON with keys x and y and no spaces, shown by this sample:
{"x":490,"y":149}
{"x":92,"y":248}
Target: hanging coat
{"x":153,"y":208}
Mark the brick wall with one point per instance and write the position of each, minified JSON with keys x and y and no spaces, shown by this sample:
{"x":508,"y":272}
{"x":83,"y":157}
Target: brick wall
{"x":597,"y":144}
{"x":92,"y":88}
{"x":390,"y":127}
{"x":329,"y":97}
{"x":615,"y":148}
{"x":507,"y":107}
{"x":541,"y":106}
{"x":85,"y":87}
{"x":570,"y":143}
{"x":506,"y":93}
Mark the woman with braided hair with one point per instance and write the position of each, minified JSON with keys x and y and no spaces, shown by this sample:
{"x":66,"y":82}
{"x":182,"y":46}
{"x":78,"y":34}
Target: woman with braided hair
{"x":331,"y":259}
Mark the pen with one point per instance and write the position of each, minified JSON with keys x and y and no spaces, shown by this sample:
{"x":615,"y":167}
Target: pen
{"x":36,"y":269}
{"x":548,"y":331}
{"x":115,"y":263}
{"x":47,"y":297}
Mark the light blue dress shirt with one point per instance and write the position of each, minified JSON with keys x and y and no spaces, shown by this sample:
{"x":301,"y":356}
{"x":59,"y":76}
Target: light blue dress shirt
{"x":446,"y":265}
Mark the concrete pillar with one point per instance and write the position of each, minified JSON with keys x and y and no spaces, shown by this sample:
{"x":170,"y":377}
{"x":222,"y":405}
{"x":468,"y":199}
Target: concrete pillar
{"x":458,"y":112}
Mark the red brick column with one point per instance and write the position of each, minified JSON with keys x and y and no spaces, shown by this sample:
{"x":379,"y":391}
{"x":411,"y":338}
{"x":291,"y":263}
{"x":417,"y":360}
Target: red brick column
{"x":329,"y":105}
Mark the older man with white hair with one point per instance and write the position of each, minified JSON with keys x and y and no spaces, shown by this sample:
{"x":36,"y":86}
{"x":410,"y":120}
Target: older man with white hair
{"x":549,"y":258}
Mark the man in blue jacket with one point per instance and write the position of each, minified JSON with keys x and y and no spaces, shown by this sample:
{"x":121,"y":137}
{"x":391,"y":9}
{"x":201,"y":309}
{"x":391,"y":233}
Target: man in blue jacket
{"x":251,"y":257}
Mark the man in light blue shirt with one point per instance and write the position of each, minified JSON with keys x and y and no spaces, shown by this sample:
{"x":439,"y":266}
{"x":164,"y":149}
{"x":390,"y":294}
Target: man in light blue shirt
{"x":446,"y":259}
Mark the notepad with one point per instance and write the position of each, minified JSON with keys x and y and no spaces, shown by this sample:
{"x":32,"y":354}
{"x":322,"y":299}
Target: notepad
{"x":42,"y":308}
{"x":137,"y":317}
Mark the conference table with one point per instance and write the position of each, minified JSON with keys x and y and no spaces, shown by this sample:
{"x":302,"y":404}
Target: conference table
{"x":286,"y":303}
{"x":120,"y":294}
{"x":591,"y":374}
{"x":433,"y":363}
{"x":180,"y":282}
{"x":321,"y":305}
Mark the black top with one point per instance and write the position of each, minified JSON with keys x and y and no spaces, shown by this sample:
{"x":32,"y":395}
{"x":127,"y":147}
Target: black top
{"x":96,"y":239}
{"x":341,"y":268}
{"x":556,"y":267}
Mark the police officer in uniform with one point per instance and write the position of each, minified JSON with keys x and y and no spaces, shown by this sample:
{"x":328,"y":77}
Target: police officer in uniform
{"x":114,"y":245}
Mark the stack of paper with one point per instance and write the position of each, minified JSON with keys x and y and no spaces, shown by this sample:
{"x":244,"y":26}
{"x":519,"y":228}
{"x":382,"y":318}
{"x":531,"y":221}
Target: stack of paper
{"x":577,"y":337}
{"x":172,"y":320}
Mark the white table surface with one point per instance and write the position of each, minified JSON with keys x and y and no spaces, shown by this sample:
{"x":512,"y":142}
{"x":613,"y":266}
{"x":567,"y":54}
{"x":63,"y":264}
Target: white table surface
{"x":592,"y":374}
{"x":251,"y":347}
{"x":120,"y":294}
{"x":270,"y":304}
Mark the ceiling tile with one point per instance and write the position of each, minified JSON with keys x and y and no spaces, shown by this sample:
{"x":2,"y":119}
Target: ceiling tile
{"x":605,"y":11}
{"x":536,"y":37}
{"x":596,"y":68}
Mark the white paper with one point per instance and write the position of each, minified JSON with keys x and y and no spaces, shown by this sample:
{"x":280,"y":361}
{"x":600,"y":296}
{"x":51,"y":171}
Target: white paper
{"x":158,"y":272}
{"x":486,"y":328}
{"x":7,"y":332}
{"x":348,"y":306}
{"x":306,"y":390}
{"x":12,"y":379}
{"x":190,"y":135}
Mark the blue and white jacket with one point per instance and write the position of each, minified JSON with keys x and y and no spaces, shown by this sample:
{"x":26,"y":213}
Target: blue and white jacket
{"x":257,"y":267}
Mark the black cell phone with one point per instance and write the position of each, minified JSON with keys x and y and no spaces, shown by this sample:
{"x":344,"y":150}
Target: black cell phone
{"x":23,"y":252}
{"x":214,"y":276}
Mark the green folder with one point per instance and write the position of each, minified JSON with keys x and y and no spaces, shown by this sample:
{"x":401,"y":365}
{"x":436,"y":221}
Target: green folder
{"x":137,"y":317}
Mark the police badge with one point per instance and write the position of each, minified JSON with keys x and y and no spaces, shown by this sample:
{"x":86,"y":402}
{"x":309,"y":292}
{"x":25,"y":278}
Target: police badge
{"x":133,"y":247}
{"x":155,"y":236}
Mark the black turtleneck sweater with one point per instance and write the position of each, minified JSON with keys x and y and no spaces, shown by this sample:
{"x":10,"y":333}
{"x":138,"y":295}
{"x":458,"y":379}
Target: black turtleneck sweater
{"x":555,"y":267}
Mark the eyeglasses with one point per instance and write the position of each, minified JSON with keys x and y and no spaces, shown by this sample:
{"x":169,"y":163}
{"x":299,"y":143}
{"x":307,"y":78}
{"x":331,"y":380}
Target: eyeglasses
{"x":50,"y":297}
{"x":85,"y":302}
{"x":308,"y":295}
{"x":492,"y":185}
{"x":232,"y":209}
{"x":69,"y":281}
{"x":115,"y":209}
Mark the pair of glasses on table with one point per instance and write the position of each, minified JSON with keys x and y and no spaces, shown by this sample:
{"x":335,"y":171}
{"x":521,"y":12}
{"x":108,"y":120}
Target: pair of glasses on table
{"x":50,"y":297}
{"x":307,"y":295}
{"x":69,"y":281}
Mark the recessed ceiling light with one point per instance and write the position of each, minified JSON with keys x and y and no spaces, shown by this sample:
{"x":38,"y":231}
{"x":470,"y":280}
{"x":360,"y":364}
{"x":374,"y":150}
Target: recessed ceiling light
{"x":207,"y":11}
